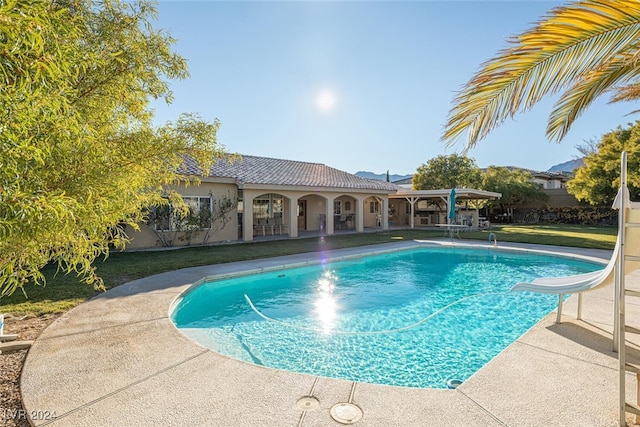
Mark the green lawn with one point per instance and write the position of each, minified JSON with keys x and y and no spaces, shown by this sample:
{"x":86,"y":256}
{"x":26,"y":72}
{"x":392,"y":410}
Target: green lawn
{"x":63,"y":292}
{"x":579,"y":236}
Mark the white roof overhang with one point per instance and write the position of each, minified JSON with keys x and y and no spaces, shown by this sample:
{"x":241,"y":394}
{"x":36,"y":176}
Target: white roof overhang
{"x":461,"y":194}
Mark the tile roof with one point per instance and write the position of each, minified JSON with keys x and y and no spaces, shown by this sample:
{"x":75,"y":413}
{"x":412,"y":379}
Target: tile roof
{"x":268,"y":171}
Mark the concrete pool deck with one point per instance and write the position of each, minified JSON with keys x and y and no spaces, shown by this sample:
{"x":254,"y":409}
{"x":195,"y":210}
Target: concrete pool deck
{"x":118,"y":360}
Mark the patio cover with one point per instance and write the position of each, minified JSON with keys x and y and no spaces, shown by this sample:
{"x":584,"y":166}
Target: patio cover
{"x":460,"y":194}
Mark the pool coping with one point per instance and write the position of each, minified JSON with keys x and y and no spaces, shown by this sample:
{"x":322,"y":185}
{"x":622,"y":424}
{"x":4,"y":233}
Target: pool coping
{"x":118,"y":359}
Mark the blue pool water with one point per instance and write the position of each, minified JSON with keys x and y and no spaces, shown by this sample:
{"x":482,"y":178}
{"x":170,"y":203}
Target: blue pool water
{"x":414,"y":318}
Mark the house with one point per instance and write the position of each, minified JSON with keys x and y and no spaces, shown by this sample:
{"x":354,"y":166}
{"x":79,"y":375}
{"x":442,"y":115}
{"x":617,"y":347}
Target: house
{"x":550,"y":180}
{"x":266,"y":196}
{"x":250,"y":196}
{"x":405,"y":184}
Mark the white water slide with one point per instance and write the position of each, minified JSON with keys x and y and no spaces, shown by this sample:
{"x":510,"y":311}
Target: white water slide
{"x":628,"y":242}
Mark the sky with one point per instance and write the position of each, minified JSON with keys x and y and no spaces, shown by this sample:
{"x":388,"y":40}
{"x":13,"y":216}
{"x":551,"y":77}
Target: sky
{"x":358,"y":85}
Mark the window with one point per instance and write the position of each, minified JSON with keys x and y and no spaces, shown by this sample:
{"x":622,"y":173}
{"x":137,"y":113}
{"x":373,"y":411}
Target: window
{"x":240,"y":207}
{"x":347,"y":206}
{"x":337,"y":207}
{"x":199,"y":215}
{"x":261,"y":208}
{"x":199,"y":212}
{"x":268,"y":206}
{"x":374,"y":207}
{"x":277,"y":204}
{"x":160,"y":218}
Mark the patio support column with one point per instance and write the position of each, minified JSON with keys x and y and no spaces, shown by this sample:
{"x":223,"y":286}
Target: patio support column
{"x":412,"y":201}
{"x":247,"y":218}
{"x":329,"y":213}
{"x":293,"y":216}
{"x":476,"y":217}
{"x":359,"y":215}
{"x":385,"y":213}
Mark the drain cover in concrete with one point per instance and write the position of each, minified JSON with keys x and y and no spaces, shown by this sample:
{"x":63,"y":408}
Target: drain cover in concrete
{"x":308,"y":403}
{"x":346,"y":413}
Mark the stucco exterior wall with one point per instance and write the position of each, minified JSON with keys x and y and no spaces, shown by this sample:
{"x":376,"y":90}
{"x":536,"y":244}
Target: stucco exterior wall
{"x":550,"y":183}
{"x":221,"y":231}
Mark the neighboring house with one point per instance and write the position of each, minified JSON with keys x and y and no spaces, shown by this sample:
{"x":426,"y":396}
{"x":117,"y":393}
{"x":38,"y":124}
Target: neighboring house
{"x":554,"y":185}
{"x":550,"y":180}
{"x":272,"y":196}
{"x":404,"y":184}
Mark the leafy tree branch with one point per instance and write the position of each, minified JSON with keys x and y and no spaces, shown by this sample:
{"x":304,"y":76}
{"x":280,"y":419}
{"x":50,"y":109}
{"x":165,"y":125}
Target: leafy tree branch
{"x":80,"y":157}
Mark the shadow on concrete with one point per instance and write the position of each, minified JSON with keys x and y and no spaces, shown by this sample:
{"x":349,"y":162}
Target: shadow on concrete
{"x":595,"y":338}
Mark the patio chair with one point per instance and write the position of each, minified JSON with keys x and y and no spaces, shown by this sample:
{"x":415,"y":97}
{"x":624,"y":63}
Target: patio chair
{"x":350,"y":221}
{"x":260,"y":224}
{"x":270,"y":225}
{"x":280,"y":225}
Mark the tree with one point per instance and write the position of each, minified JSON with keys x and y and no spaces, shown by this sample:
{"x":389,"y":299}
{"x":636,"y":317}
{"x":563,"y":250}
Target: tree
{"x":587,"y":147}
{"x":597,"y":182}
{"x":79,"y":153}
{"x":516,"y":186}
{"x":587,"y":48}
{"x":453,"y":171}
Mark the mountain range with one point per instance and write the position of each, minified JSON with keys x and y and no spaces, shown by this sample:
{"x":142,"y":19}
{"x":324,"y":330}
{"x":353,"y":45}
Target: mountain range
{"x":566,"y":167}
{"x":381,"y":176}
{"x":569,"y":166}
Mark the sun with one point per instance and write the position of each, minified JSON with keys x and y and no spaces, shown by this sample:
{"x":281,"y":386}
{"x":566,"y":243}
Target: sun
{"x":326,"y":100}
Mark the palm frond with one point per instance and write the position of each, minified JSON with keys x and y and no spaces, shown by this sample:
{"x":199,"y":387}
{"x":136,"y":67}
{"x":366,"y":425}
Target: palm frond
{"x":564,"y":46}
{"x":630,"y":92}
{"x":581,"y":95}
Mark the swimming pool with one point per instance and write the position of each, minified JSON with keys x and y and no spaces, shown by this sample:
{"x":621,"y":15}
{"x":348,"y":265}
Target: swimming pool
{"x":415,"y":318}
